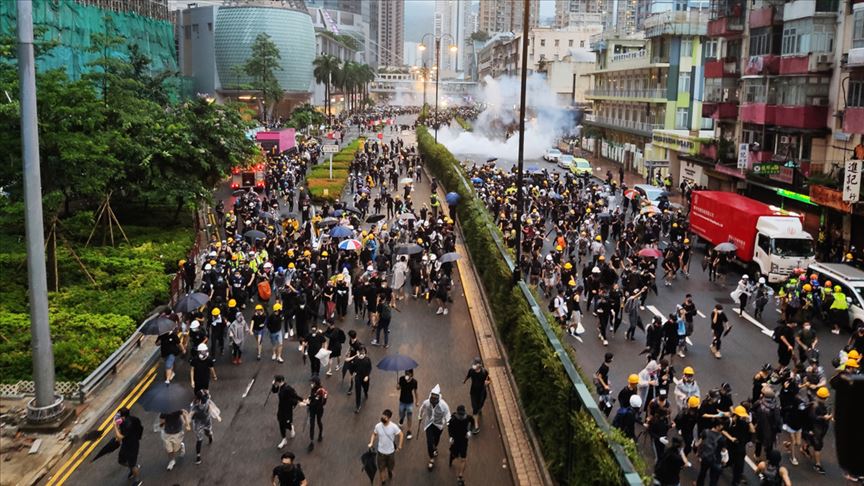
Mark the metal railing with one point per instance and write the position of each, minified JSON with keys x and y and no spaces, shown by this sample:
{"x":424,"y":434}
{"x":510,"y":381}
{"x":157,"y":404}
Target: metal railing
{"x":628,"y":93}
{"x":689,"y":22}
{"x":639,"y":126}
{"x":580,"y":392}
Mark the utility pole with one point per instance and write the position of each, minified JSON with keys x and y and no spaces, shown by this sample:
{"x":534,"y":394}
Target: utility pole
{"x":517,"y":274}
{"x":47,"y":405}
{"x":437,"y":73}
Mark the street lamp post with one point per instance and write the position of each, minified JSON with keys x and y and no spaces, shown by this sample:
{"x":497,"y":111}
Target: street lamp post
{"x":422,"y":47}
{"x":517,"y":273}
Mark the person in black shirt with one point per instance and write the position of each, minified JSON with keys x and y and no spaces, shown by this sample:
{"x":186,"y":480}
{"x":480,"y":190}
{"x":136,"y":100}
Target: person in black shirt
{"x":313,"y":343}
{"x":202,"y":369}
{"x":257,"y":325}
{"x":407,"y":387}
{"x":354,"y":346}
{"x":718,"y":326}
{"x":275,"y":322}
{"x":288,"y":399}
{"x":667,"y":472}
{"x":169,"y":347}
{"x":288,"y":473}
{"x":362,"y":370}
{"x":784,"y":336}
{"x":172,"y":425}
{"x":335,"y":340}
{"x":479,"y":377}
{"x":128,"y":432}
{"x":316,"y":401}
{"x":459,"y":428}
{"x":601,"y":383}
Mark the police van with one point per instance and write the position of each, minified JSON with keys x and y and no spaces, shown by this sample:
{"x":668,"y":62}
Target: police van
{"x":851,"y":281}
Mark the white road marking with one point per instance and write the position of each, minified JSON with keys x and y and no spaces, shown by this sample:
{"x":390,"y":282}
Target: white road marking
{"x":688,"y":341}
{"x":655,"y":311}
{"x":248,"y":387}
{"x":750,"y":462}
{"x":703,"y":316}
{"x":758,"y":324}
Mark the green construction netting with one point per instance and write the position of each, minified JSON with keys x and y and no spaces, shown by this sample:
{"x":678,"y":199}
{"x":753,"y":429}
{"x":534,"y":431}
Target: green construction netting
{"x":72,"y":24}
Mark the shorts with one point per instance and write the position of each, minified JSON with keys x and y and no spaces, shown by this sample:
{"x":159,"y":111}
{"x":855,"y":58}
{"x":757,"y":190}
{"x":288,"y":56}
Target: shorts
{"x":406,"y":409}
{"x":259,"y":333}
{"x":169,"y":361}
{"x":478,"y":399}
{"x":386,"y":461}
{"x":459,"y":449}
{"x":172,"y":442}
{"x":276,"y":338}
{"x":128,"y":455}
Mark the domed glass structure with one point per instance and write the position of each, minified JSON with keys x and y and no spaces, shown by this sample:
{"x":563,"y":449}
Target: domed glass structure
{"x":291,"y":30}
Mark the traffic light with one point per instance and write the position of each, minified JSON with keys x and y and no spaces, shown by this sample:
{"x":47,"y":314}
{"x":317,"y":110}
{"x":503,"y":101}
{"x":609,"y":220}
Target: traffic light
{"x":849,"y":423}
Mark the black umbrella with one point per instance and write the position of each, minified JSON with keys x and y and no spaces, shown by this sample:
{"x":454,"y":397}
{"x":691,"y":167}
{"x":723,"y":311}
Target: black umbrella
{"x":255,"y":235}
{"x":266,"y":215}
{"x":493,"y":159}
{"x":191,"y":302}
{"x":164,"y":398}
{"x":158,"y":326}
{"x":328,"y":221}
{"x":449,"y":257}
{"x":375,"y":218}
{"x":369,"y":459}
{"x":108,"y":448}
{"x":411,"y":249}
{"x":239,"y":192}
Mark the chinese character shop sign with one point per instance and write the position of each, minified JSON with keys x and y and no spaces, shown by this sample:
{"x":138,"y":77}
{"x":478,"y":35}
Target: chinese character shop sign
{"x":852,"y":181}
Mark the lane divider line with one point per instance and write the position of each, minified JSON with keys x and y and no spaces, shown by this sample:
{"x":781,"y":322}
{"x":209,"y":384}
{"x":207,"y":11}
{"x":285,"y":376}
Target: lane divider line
{"x":758,"y":324}
{"x":65,"y":470}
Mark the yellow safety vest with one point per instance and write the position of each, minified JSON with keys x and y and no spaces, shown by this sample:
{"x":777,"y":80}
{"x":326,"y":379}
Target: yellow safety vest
{"x":839,"y":301}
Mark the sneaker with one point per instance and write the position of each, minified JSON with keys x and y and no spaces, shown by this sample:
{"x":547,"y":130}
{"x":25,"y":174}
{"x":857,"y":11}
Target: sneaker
{"x":605,"y":343}
{"x":794,"y":461}
{"x":445,"y":312}
{"x":182,"y":449}
{"x":282,"y":443}
{"x":374,"y":342}
{"x":329,"y":373}
{"x":292,"y":432}
{"x":171,"y":464}
{"x":291,"y":332}
{"x":198,"y":459}
{"x":476,"y":431}
{"x":819,"y":469}
{"x":273,"y":357}
{"x":409,"y":436}
{"x":834,"y":331}
{"x":311,"y":446}
{"x":279,"y":359}
{"x":138,"y":483}
{"x":439,"y":311}
{"x":167,"y":382}
{"x":259,"y":357}
{"x":431,"y":464}
{"x":338,"y":367}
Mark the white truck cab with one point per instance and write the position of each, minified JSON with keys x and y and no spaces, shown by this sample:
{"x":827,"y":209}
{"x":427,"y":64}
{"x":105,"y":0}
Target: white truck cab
{"x":781,"y":246}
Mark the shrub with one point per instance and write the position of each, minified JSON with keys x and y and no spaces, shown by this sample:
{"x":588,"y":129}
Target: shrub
{"x":539,"y":373}
{"x":318,"y":179}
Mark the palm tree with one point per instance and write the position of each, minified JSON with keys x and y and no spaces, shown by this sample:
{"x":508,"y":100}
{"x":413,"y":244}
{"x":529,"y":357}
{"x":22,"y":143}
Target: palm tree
{"x":348,"y":81}
{"x":325,"y":70}
{"x":366,"y":75}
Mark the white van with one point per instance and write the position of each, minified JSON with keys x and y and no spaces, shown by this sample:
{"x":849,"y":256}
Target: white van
{"x":851,"y":280}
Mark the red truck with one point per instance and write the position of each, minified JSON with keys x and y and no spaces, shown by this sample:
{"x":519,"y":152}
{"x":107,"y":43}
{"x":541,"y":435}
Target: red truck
{"x":766,"y":237}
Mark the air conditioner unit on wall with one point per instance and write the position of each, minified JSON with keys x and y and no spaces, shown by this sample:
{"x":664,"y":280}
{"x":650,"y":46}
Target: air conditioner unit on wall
{"x":824,"y":59}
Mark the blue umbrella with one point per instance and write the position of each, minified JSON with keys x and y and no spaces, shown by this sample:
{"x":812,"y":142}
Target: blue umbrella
{"x":397,"y":362}
{"x":451,"y":198}
{"x":532,"y":168}
{"x":341,"y":232}
{"x":477,"y":180}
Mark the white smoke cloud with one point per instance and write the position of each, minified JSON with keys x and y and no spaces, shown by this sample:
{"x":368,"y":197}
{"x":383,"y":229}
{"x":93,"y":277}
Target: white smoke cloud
{"x":545,"y":121}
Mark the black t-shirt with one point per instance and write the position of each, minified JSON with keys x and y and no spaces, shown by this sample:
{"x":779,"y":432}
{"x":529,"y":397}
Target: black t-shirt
{"x":169,"y":343}
{"x":258,"y":321}
{"x":721,"y":320}
{"x":173,"y":422}
{"x":314,"y":343}
{"x":406,"y":389}
{"x":788,"y":333}
{"x":274,"y":322}
{"x":289,"y":474}
{"x":669,"y":468}
{"x":603,"y":371}
{"x":478,"y":379}
{"x":201,"y":369}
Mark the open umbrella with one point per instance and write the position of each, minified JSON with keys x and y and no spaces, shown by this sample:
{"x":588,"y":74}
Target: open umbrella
{"x":162,"y":398}
{"x":108,"y":448}
{"x":254,"y":235}
{"x":650,"y":253}
{"x":532,"y":168}
{"x":191,"y":302}
{"x":452,"y":198}
{"x":341,"y":232}
{"x":239,"y":192}
{"x":407,"y":216}
{"x":370,"y":464}
{"x":338,"y":212}
{"x":328,"y":221}
{"x":158,"y":326}
{"x":375,"y":218}
{"x":726,"y":247}
{"x":493,"y":159}
{"x":449,"y":257}
{"x":397,"y":362}
{"x":631,"y":193}
{"x":477,"y":180}
{"x":406,"y":180}
{"x":352,"y":245}
{"x":409,"y":249}
{"x":266,"y":215}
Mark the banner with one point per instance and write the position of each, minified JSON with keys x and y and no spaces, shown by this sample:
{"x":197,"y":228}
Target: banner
{"x":852,"y":181}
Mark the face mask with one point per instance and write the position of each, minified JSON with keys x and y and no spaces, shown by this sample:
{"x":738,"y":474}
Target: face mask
{"x":476,"y":367}
{"x":434,"y":400}
{"x":361,"y":356}
{"x":806,"y":328}
{"x":202,"y":355}
{"x":383,"y":420}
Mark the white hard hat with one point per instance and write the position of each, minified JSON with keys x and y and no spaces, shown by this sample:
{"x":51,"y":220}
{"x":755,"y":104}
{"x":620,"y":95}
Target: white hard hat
{"x":761,"y":280}
{"x":194,"y":325}
{"x":595,"y":270}
{"x":635,"y":401}
{"x":208,"y":267}
{"x":745,"y":277}
{"x":202,"y":347}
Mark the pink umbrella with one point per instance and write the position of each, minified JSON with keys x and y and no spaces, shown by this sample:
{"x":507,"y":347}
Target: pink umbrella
{"x":650,"y":253}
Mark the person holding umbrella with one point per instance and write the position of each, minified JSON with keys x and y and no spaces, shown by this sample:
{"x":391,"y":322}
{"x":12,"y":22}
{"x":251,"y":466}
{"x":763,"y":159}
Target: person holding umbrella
{"x":385,"y":434}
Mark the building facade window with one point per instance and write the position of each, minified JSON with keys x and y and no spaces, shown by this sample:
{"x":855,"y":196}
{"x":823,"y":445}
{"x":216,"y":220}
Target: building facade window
{"x":682,"y":119}
{"x":542,"y":42}
{"x":858,"y":29}
{"x":557,"y":42}
{"x":855,"y":98}
{"x":686,"y":48}
{"x":570,"y":43}
{"x":710,"y":48}
{"x":760,"y":41}
{"x":804,"y":36}
{"x":684,"y":83}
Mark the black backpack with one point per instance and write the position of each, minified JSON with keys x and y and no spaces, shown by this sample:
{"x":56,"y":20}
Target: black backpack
{"x":709,"y":450}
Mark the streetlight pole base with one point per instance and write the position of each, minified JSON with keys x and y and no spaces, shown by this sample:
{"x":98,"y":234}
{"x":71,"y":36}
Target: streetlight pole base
{"x":45,"y":415}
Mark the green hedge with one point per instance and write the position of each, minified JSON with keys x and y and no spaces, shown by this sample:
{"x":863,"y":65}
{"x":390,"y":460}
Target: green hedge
{"x":543,"y":383}
{"x":463,"y":123}
{"x":318,"y":179}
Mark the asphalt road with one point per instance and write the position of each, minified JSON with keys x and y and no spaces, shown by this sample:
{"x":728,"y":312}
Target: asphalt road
{"x":745,"y":349}
{"x":244,"y":451}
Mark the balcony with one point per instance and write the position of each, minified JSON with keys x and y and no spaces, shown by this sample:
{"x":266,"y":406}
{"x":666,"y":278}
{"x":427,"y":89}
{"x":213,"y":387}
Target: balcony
{"x":762,"y":17}
{"x":720,"y":110}
{"x":656,"y":95}
{"x":722,"y":68}
{"x":759,"y":156}
{"x":802,"y":9}
{"x":686,"y":23}
{"x":726,"y":27}
{"x":639,"y":128}
{"x":807,"y":63}
{"x":853,"y":119}
{"x":638,"y":59}
{"x":758,"y":113}
{"x":762,"y":65}
{"x":855,"y":57}
{"x":806,"y":117}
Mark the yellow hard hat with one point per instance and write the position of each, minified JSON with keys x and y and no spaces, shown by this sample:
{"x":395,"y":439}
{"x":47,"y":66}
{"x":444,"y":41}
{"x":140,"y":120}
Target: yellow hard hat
{"x":212,"y":262}
{"x":822,"y":392}
{"x":307,"y":253}
{"x":232,"y":303}
{"x":598,"y":238}
{"x":568,"y":266}
{"x":259,"y":307}
{"x":233,"y":256}
{"x":854,"y":354}
{"x":572,"y":283}
{"x":215,"y":311}
{"x":558,"y":248}
{"x":849,"y":256}
{"x":693,"y":402}
{"x":587,"y":210}
{"x":740,"y":411}
{"x":686,"y":241}
{"x":633,"y":379}
{"x":807,"y":288}
{"x":851,"y":363}
{"x":181,"y":263}
{"x":290,"y":253}
{"x":601,"y":258}
{"x":837,"y":288}
{"x":218,"y":244}
{"x":291,"y":265}
{"x":324,"y":253}
{"x":419,"y":241}
{"x":277,"y":306}
{"x":689,"y":370}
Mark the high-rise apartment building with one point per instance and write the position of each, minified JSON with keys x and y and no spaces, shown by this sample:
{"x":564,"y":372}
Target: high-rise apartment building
{"x":578,"y":12}
{"x":505,"y":15}
{"x":391,"y":35}
{"x":453,"y":19}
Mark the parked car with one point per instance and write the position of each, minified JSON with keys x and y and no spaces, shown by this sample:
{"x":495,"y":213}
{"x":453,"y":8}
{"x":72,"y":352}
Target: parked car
{"x":581,"y":167}
{"x":650,"y":193}
{"x":565,"y":161}
{"x":850,"y":280}
{"x":552,"y":155}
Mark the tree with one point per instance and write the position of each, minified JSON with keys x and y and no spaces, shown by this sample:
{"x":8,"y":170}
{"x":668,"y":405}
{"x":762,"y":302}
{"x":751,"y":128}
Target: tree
{"x":325,"y":66}
{"x":479,"y":36}
{"x":261,"y":67}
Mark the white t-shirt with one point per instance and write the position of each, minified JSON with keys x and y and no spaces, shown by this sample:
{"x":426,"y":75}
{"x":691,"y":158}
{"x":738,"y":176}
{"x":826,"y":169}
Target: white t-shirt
{"x":387,"y":437}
